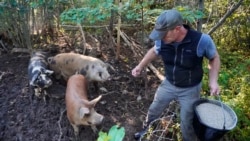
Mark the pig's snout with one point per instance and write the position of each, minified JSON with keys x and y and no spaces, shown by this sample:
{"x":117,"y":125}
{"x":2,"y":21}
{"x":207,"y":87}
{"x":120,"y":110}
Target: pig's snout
{"x":102,"y":118}
{"x":110,"y":78}
{"x":47,"y":83}
{"x":96,"y":119}
{"x":99,"y":120}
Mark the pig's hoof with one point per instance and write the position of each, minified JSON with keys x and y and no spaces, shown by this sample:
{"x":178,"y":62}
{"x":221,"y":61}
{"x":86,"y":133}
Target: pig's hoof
{"x":38,"y":95}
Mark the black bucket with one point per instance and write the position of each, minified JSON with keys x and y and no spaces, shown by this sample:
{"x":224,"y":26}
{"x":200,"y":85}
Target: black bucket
{"x":212,"y":119}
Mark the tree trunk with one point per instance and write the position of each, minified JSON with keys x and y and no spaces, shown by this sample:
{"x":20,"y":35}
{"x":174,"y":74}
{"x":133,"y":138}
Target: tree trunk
{"x":201,"y":8}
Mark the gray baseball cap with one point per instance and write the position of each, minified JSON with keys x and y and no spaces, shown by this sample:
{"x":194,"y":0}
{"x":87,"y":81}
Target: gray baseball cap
{"x":167,"y":20}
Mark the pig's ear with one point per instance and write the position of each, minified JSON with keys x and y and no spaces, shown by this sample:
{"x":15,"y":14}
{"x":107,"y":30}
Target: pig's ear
{"x":50,"y":60}
{"x":83,"y":111}
{"x":109,"y":66}
{"x":94,"y":101}
{"x":49,"y":72}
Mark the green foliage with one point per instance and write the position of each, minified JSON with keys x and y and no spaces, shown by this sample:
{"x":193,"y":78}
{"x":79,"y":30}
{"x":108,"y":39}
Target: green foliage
{"x":98,"y":11}
{"x":133,"y":12}
{"x":103,"y":136}
{"x":241,"y":106}
{"x":190,"y":15}
{"x":234,"y":80}
{"x":12,"y":3}
{"x":234,"y":33}
{"x":37,"y":4}
{"x":14,"y":21}
{"x":93,"y":11}
{"x":116,"y":133}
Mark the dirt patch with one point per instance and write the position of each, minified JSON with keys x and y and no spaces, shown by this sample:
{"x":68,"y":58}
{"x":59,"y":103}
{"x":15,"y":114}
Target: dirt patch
{"x":25,"y":117}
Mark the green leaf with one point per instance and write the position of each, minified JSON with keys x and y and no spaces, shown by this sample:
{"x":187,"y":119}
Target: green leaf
{"x":116,"y":133}
{"x":103,"y":136}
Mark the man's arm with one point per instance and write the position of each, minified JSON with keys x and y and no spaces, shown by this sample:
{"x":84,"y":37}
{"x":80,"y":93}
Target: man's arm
{"x":214,"y":67}
{"x":150,"y":56}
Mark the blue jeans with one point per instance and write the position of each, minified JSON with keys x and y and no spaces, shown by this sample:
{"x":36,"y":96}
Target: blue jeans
{"x":167,"y":92}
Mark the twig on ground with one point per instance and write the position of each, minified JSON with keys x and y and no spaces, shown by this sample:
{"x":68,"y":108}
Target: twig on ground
{"x":112,"y":40}
{"x":2,"y":74}
{"x":1,"y":42}
{"x":108,"y":93}
{"x":20,"y":50}
{"x":60,"y":128}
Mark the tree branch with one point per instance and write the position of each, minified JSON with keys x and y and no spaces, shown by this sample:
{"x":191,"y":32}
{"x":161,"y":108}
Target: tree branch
{"x":223,"y":19}
{"x":133,"y":47}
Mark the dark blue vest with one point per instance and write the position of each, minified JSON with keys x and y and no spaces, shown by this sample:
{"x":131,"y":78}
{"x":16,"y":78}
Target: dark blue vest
{"x":183,"y":68}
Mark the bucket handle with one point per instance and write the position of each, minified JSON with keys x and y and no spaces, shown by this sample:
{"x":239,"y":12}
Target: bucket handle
{"x":222,"y":111}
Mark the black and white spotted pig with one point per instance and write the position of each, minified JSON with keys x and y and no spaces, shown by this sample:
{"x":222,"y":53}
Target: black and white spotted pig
{"x":68,"y":64}
{"x":38,"y":73}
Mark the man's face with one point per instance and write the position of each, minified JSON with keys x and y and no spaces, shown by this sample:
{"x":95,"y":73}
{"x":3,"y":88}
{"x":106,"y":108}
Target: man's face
{"x":171,"y":35}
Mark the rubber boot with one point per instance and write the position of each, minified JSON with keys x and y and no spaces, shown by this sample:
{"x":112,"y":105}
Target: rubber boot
{"x":139,"y":135}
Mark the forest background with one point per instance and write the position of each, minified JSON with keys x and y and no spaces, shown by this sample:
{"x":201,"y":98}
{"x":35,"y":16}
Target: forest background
{"x":27,"y":24}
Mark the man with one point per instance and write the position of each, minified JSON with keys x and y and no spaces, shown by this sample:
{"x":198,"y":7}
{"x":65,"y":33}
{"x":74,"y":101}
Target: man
{"x":182,"y":50}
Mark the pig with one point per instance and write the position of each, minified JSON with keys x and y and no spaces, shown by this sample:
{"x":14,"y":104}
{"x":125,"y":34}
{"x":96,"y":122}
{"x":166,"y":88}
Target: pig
{"x":80,"y":111}
{"x":38,"y":73}
{"x":67,"y":64}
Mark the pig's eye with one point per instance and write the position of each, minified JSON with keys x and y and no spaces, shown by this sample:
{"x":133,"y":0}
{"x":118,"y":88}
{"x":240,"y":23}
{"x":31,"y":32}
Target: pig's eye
{"x":38,"y":78}
{"x":86,"y":115}
{"x":100,"y":74}
{"x":89,"y":122}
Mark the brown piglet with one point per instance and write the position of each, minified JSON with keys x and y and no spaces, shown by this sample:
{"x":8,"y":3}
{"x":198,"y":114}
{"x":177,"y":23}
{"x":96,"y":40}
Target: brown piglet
{"x":80,"y":111}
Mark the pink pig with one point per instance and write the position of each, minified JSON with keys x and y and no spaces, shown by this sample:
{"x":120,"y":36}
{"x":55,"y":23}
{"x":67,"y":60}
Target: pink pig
{"x":80,"y":111}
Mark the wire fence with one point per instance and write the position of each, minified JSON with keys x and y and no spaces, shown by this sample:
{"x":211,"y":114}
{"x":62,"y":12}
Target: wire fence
{"x":165,"y":128}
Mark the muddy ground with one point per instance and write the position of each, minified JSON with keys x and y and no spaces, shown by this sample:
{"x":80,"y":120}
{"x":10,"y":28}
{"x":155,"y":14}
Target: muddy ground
{"x":24,"y":117}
